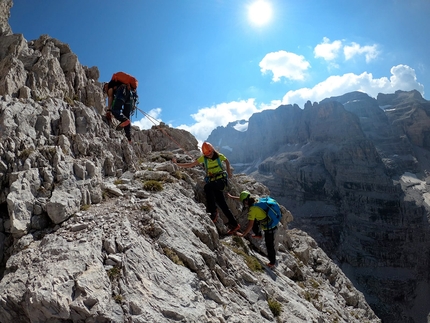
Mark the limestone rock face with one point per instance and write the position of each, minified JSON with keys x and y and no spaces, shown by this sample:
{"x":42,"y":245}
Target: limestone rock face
{"x":94,"y":229}
{"x":86,"y":236}
{"x":143,"y":255}
{"x":289,"y":126}
{"x":55,"y":155}
{"x":5,"y":6}
{"x":44,"y":68}
{"x":354,"y":172}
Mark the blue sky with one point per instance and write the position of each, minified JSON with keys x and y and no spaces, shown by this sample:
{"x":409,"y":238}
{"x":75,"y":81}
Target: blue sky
{"x":204,"y":63}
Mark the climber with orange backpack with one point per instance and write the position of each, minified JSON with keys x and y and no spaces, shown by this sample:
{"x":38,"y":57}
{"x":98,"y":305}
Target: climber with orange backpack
{"x":122,"y":99}
{"x":216,"y":181}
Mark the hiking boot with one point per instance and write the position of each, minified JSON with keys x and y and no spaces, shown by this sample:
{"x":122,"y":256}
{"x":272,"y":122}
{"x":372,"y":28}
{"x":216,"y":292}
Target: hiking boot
{"x":214,"y":216}
{"x":257,"y":236}
{"x":233,"y":231}
{"x":123,"y":124}
{"x":270,"y":265}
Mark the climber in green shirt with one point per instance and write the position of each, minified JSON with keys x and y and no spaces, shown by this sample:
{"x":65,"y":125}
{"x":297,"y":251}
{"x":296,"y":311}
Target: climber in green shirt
{"x":258,"y":217}
{"x":216,"y":180}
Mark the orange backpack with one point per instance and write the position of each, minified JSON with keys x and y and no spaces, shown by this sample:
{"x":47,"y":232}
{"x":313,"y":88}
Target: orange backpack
{"x":126,"y":79}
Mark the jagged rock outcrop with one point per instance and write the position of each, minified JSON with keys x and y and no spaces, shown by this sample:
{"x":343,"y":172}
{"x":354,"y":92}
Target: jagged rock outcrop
{"x":54,"y":156}
{"x":291,"y":126}
{"x":5,"y":6}
{"x":155,"y":256}
{"x":93,"y":229}
{"x":354,"y":171}
{"x":44,"y":68}
{"x":84,"y":239}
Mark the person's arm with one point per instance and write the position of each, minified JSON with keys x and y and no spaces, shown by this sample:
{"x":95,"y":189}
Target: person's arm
{"x":110,"y":98}
{"x":233,"y":197}
{"x":185,"y":165}
{"x":247,"y":230}
{"x":227,"y":164}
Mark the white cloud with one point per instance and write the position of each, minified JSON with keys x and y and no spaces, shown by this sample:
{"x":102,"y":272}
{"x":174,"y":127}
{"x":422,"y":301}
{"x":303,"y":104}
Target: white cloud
{"x":326,"y":50}
{"x":147,"y":123}
{"x":207,"y":119}
{"x":270,"y":106}
{"x":370,"y":52}
{"x":284,"y":64}
{"x":329,"y":51}
{"x":402,"y":77}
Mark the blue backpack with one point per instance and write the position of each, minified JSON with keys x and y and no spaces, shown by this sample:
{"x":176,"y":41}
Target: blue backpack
{"x":272,"y":209}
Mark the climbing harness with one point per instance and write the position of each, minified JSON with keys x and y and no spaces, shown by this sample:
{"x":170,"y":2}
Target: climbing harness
{"x":219,"y":175}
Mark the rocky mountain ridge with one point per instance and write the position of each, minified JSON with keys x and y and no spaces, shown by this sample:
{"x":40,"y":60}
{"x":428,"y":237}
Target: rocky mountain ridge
{"x":354,"y":171}
{"x":93,"y":229}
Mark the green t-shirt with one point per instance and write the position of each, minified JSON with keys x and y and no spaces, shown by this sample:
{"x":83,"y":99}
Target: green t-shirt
{"x":212,"y":164}
{"x":257,"y":213}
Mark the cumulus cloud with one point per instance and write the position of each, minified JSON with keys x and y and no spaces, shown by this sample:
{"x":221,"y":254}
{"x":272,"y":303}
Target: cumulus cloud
{"x":370,"y":52}
{"x":284,"y":64}
{"x":329,"y":51}
{"x":326,"y":50}
{"x":402,"y":77}
{"x":209,"y":118}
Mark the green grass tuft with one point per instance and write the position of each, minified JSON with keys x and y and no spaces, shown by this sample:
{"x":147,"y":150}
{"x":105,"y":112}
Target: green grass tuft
{"x":274,"y":306}
{"x":114,"y":273}
{"x":173,"y":256}
{"x":153,"y":186}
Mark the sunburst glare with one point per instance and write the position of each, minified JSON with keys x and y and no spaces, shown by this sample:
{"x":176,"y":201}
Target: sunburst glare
{"x":260,"y":12}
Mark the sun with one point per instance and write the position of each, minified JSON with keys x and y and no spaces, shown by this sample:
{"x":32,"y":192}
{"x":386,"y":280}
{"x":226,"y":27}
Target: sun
{"x":260,"y":12}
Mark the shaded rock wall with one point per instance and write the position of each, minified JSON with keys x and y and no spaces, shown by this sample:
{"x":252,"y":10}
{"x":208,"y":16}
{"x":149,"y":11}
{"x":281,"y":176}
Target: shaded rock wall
{"x":354,"y":172}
